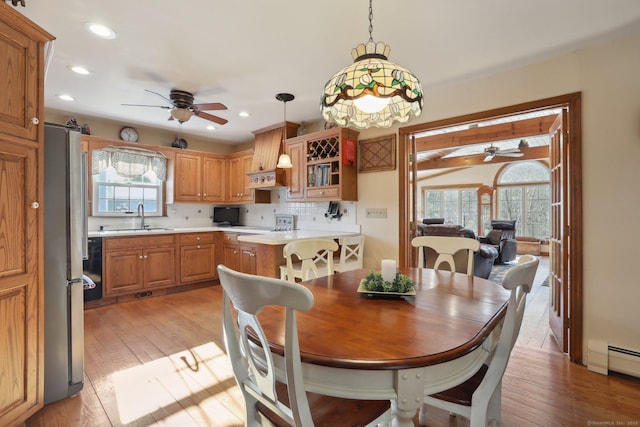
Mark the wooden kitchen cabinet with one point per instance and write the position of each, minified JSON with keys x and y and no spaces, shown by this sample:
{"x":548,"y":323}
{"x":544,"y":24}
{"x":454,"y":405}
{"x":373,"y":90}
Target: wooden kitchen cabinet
{"x":247,"y":258}
{"x":239,"y":256}
{"x":199,"y":178}
{"x":231,"y":251}
{"x":239,"y":190}
{"x":136,"y":264}
{"x":296,"y":175}
{"x":197,"y":257}
{"x":22,"y":52}
{"x":323,"y":168}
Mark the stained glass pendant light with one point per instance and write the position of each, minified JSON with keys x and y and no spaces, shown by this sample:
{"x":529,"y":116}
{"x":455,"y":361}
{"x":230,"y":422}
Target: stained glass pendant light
{"x":372,"y":91}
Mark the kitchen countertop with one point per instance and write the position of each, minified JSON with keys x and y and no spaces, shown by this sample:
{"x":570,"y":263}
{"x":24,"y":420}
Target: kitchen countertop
{"x":284,"y":237}
{"x":260,"y":235}
{"x":168,"y":230}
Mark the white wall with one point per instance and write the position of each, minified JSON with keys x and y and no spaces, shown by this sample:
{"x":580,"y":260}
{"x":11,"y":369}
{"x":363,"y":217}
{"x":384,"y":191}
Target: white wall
{"x":608,"y":75}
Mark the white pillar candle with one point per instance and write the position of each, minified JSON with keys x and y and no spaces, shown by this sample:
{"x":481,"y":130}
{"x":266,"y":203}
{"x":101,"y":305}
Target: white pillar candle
{"x":388,"y":270}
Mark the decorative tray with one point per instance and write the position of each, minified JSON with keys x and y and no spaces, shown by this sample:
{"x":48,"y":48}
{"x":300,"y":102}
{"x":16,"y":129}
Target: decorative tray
{"x":387,"y":295}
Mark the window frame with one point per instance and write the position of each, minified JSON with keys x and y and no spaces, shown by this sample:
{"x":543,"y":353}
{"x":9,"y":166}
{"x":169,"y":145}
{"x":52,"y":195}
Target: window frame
{"x":460,"y":190}
{"x":522,"y":222}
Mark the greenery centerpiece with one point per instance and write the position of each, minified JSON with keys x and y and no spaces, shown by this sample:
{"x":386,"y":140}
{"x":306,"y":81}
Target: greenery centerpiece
{"x":374,"y":283}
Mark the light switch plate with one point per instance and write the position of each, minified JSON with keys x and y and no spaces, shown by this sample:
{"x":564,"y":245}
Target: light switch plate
{"x":376,"y":212}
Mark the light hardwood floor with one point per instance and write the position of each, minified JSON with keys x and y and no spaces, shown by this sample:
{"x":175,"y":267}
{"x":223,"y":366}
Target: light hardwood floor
{"x":160,"y":361}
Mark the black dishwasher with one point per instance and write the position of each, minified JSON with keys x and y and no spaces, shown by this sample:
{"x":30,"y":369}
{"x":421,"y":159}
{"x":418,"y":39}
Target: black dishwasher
{"x":92,"y":270}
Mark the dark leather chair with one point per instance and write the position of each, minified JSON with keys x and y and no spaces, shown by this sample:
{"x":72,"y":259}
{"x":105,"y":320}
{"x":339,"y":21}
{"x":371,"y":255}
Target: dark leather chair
{"x":502,"y":237}
{"x":483,"y":259}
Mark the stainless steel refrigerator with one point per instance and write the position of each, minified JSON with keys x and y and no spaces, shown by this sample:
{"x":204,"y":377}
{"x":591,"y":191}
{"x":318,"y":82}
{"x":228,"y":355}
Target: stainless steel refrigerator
{"x":65,"y":239}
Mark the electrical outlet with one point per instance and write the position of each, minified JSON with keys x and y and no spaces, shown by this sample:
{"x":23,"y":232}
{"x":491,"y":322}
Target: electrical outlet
{"x":376,"y":212}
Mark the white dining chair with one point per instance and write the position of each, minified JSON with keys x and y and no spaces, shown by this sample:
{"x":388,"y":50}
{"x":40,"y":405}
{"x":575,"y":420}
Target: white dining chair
{"x":446,"y":248}
{"x":479,"y":398}
{"x":279,"y":401}
{"x":351,"y":253}
{"x":315,"y":255}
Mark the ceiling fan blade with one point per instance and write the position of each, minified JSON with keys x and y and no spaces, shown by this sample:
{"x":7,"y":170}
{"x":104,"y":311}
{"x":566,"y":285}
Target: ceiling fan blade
{"x":508,"y":150}
{"x":210,"y":117}
{"x":145,"y":105}
{"x":210,"y":106}
{"x":161,"y":96}
{"x":509,"y":154}
{"x":489,"y":158}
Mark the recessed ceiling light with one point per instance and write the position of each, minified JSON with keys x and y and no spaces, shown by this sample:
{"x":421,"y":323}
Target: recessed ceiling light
{"x":80,"y":70}
{"x":243,"y":114}
{"x":100,"y":30}
{"x":211,"y":127}
{"x":66,"y":97}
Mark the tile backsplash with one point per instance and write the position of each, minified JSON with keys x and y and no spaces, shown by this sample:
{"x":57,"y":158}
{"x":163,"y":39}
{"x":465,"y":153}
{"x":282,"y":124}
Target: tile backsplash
{"x":309,"y":215}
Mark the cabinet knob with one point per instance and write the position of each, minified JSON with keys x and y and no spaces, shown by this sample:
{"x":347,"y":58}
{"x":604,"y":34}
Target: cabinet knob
{"x":34,"y":205}
{"x":198,"y":247}
{"x":204,"y":194}
{"x":140,"y":256}
{"x":145,"y":257}
{"x":197,"y":238}
{"x":198,"y":194}
{"x":35,"y":120}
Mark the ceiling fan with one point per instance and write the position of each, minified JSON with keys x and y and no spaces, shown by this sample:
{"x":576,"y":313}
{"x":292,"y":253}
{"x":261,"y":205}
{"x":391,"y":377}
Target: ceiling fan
{"x":182,"y":107}
{"x":491,"y":151}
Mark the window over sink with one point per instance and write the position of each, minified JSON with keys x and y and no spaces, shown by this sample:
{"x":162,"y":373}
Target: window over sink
{"x":123,"y":178}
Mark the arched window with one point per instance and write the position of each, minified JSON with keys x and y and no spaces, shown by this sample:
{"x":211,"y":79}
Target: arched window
{"x":524,"y":194}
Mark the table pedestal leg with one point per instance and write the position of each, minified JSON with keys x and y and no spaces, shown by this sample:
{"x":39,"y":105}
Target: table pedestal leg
{"x":402,"y":418}
{"x":410,"y":389}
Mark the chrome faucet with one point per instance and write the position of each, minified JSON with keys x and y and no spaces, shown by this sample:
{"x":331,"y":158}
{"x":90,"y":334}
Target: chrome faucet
{"x":141,"y":215}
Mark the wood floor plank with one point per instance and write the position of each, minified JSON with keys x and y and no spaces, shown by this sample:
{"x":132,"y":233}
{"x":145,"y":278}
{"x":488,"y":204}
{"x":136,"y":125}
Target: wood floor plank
{"x":160,"y":361}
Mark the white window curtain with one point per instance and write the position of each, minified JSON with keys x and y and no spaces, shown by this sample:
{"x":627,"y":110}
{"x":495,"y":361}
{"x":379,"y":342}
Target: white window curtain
{"x":129,"y":162}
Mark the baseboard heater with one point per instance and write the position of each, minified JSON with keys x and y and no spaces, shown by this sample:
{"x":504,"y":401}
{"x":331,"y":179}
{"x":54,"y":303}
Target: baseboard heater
{"x":603,"y":357}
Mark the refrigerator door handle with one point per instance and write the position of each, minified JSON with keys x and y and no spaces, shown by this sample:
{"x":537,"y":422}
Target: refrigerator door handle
{"x":84,"y":203}
{"x":77,"y":200}
{"x":76,"y":332}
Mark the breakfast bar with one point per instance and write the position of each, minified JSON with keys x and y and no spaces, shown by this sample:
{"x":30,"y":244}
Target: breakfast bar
{"x":269,"y":246}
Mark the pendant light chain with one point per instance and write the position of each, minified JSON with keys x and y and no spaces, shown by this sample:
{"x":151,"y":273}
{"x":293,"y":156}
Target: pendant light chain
{"x":371,"y":21}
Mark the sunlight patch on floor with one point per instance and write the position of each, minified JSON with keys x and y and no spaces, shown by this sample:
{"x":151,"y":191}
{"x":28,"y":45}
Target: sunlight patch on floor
{"x":166,"y":387}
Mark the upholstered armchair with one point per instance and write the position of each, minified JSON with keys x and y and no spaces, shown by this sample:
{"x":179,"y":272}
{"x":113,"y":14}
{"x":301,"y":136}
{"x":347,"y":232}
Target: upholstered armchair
{"x":502,"y":236}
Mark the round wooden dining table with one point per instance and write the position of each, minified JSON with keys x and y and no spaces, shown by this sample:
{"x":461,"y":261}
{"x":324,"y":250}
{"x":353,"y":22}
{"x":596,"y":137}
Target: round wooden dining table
{"x":399,"y":349}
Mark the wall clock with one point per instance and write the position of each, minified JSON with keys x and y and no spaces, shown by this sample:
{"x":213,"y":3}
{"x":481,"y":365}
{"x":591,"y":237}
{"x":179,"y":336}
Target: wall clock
{"x":129,"y":134}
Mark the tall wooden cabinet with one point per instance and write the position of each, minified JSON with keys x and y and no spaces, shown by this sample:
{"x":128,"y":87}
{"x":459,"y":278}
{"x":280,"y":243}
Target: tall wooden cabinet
{"x":22,"y":51}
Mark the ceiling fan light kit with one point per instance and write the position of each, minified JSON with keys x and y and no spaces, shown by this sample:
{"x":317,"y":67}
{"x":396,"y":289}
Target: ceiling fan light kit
{"x":181,"y":114}
{"x":372,"y":91}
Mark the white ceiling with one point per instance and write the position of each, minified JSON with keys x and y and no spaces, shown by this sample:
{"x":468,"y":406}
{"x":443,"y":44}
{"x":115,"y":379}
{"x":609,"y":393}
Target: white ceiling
{"x":243,"y":52}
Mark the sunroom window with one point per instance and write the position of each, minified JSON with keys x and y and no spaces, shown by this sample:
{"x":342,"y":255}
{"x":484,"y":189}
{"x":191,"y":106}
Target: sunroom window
{"x":123,"y":178}
{"x":524,"y":194}
{"x":455,"y":205}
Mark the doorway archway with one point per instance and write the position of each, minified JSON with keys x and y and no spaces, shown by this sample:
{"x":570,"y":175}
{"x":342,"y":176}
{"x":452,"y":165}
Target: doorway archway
{"x":566,"y":157}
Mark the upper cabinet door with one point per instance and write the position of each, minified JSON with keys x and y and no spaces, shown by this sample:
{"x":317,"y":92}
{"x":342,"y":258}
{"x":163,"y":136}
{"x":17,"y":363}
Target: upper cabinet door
{"x":188,"y":178}
{"x":19,"y":100}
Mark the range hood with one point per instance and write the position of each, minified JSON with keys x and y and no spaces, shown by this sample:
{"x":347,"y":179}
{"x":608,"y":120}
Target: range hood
{"x":268,"y":147}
